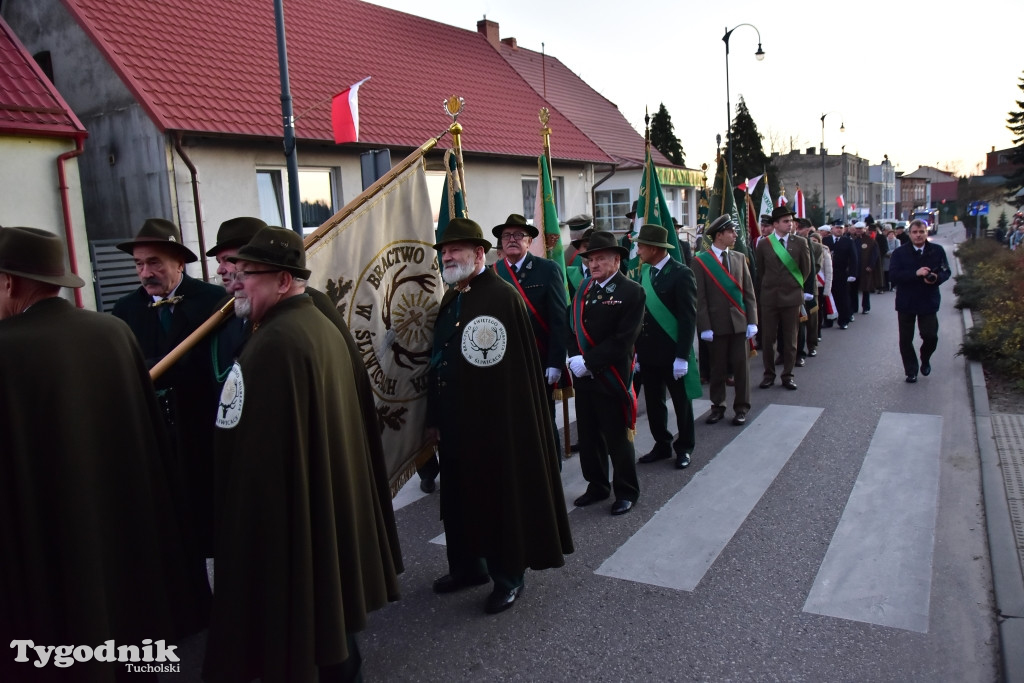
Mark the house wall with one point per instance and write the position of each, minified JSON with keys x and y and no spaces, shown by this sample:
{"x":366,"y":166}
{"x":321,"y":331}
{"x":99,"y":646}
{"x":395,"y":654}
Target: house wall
{"x":30,"y":196}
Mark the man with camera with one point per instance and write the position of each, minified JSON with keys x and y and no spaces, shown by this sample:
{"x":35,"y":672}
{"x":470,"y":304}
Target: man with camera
{"x":917,"y":269}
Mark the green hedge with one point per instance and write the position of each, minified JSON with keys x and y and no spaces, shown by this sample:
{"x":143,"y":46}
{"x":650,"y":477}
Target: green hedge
{"x":992,"y":286}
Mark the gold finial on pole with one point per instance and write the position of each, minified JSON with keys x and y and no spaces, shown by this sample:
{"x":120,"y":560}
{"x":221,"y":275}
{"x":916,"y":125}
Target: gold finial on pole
{"x":545,"y":131}
{"x":453,"y":106}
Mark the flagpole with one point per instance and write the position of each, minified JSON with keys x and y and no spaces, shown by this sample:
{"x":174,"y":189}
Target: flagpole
{"x":294,"y":201}
{"x":454,"y":106}
{"x":175,"y":354}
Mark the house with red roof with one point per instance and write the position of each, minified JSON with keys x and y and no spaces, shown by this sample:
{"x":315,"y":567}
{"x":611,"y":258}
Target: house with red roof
{"x":617,"y":184}
{"x":182,"y":101}
{"x":40,"y":139}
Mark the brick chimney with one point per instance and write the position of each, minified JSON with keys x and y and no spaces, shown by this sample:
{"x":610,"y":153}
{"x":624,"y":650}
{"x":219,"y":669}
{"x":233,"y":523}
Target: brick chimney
{"x":511,"y":42}
{"x":490,"y":31}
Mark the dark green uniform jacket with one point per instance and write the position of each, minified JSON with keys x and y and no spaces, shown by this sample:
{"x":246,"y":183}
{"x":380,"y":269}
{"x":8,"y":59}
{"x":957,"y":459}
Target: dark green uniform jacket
{"x":90,"y":544}
{"x":499,"y":466}
{"x":305,"y":531}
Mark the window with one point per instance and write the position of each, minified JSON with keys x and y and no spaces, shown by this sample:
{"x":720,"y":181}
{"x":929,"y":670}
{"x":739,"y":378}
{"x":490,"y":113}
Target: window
{"x":530,"y":196}
{"x":316,"y":194}
{"x":610,"y":208}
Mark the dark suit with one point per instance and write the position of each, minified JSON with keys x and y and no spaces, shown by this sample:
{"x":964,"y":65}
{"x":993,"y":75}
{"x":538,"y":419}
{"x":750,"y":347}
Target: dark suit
{"x":187,"y":391}
{"x":845,"y":264}
{"x":612,"y":319}
{"x":917,"y":300}
{"x":728,"y":347}
{"x":780,"y":295}
{"x":676,"y":288}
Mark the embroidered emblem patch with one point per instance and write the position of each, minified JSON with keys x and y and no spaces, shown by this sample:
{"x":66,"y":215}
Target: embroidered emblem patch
{"x":484,"y":341}
{"x":232,"y":396}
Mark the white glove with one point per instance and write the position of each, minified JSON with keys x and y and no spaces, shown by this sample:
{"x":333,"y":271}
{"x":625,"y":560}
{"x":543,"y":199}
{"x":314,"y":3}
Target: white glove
{"x":636,"y":363}
{"x":578,"y":367}
{"x":552,"y":375}
{"x":707,"y":335}
{"x":808,"y":297}
{"x":751,"y":331}
{"x":851,"y":279}
{"x":679,"y":367}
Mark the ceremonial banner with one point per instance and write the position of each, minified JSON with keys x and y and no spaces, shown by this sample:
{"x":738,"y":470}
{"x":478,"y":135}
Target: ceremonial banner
{"x":651,"y":208}
{"x":545,"y":219}
{"x":798,"y":204}
{"x":379,"y":267}
{"x":766,"y":200}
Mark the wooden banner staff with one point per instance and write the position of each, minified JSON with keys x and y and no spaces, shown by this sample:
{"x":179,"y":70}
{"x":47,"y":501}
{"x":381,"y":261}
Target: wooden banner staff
{"x":175,"y":354}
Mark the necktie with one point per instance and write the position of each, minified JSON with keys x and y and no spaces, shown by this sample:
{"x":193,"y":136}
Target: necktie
{"x":165,"y":317}
{"x":515,"y":269}
{"x":725,"y":260}
{"x":654,"y":273}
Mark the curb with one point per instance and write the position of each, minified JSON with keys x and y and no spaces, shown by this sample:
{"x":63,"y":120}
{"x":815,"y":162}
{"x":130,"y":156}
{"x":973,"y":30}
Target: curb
{"x":1007,"y":579}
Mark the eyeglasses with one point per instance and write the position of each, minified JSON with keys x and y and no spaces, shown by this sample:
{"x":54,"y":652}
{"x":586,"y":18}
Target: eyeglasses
{"x":241,"y":275}
{"x":513,"y":236}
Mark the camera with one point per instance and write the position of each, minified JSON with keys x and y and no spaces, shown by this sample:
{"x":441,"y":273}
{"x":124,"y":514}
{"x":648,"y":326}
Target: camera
{"x":931,"y":278}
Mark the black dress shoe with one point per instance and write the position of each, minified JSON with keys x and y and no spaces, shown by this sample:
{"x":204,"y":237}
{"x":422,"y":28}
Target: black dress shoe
{"x":501,"y":600}
{"x":717,"y":413}
{"x":800,"y":362}
{"x":911,"y":378}
{"x":682,"y":461}
{"x":574,"y":448}
{"x":450,"y":584}
{"x":588,"y":498}
{"x":767,"y":382}
{"x":740,"y":419}
{"x":653,"y":456}
{"x":427,"y":485}
{"x":926,"y":368}
{"x":843,"y":327}
{"x":813,"y":352}
{"x":621,"y":507}
{"x":789,"y":384}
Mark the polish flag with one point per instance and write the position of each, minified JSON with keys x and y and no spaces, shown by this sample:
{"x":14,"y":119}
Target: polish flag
{"x":801,"y":211}
{"x":840,"y":201}
{"x":752,"y":183}
{"x":782,"y":199}
{"x":345,"y":114}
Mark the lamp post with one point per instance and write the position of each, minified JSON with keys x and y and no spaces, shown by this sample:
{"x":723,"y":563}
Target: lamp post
{"x":824,"y":198}
{"x":728,"y":104}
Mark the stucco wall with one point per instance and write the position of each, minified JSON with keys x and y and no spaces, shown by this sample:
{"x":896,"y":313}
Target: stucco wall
{"x":30,"y":196}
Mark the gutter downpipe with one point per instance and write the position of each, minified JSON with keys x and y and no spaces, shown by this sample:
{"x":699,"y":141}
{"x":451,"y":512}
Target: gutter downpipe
{"x":195,"y":199}
{"x":65,"y":205}
{"x":593,"y":189}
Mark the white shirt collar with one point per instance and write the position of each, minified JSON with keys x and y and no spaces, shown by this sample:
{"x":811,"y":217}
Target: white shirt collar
{"x":781,"y":238}
{"x":607,"y":280}
{"x":718,"y":252}
{"x":661,"y":264}
{"x":171,"y":293}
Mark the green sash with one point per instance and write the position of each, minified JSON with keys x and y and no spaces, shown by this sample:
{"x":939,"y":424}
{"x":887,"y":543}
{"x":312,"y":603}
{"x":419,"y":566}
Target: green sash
{"x":724,"y":280}
{"x":667,"y":321}
{"x":575,"y":275}
{"x":786,"y":259}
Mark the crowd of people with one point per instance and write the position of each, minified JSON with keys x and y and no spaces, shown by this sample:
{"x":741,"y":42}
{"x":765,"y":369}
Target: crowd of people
{"x":261,"y":448}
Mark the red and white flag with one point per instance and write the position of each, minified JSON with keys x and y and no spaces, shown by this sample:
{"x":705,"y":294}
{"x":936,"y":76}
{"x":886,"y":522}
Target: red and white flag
{"x":798,"y":203}
{"x":752,"y":183}
{"x":345,"y":114}
{"x":840,"y":201}
{"x":782,"y":198}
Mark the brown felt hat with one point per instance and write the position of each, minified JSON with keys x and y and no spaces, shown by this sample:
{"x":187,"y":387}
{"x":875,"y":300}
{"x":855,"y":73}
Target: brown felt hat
{"x":463,"y":230}
{"x":781,"y":212}
{"x":35,"y":255}
{"x":235,"y":233}
{"x":163,"y":232}
{"x":278,"y":247}
{"x":602,"y":240}
{"x":514,"y":220}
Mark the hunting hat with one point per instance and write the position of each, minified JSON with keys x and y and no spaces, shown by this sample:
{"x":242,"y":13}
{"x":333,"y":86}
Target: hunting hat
{"x":803,"y":223}
{"x":35,"y":255}
{"x":464,"y":230}
{"x":160,"y":231}
{"x":781,"y":212}
{"x":278,"y":247}
{"x":602,"y":240}
{"x":580,"y":221}
{"x":514,"y":220}
{"x":720,"y":224}
{"x":582,"y":238}
{"x":632,"y":212}
{"x":236,"y":232}
{"x":654,"y":236}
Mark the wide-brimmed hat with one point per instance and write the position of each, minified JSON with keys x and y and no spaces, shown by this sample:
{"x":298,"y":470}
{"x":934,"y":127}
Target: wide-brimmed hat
{"x":602,"y":240}
{"x":654,"y":236}
{"x":278,"y":247}
{"x":580,"y":221}
{"x":463,"y":230}
{"x":582,"y":238}
{"x":236,"y":232}
{"x":803,"y":223}
{"x":163,"y":232}
{"x":37,"y":255}
{"x":632,"y":212}
{"x":514,"y":220}
{"x":720,"y":224}
{"x":781,"y":212}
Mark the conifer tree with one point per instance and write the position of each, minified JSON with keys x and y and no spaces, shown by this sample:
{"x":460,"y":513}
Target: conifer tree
{"x":663,"y":137}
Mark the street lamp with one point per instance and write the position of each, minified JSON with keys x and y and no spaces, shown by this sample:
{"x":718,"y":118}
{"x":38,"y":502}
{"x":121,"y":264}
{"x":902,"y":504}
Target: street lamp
{"x":842,"y":129}
{"x":728,"y":104}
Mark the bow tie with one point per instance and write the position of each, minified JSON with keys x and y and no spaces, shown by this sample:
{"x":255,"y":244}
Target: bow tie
{"x":170,"y":300}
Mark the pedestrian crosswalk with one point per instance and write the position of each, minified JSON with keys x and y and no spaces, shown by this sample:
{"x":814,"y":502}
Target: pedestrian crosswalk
{"x":878,"y":565}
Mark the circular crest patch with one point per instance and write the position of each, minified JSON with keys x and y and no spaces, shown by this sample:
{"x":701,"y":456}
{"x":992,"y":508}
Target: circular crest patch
{"x":484,"y":341}
{"x":232,"y":396}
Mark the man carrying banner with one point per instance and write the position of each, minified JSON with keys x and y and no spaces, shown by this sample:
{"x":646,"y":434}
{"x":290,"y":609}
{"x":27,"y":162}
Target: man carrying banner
{"x":501,"y":502}
{"x":726,"y":317}
{"x":783,"y":266}
{"x":539,"y":282}
{"x":664,"y":348}
{"x":607,"y":313}
{"x":306,"y":539}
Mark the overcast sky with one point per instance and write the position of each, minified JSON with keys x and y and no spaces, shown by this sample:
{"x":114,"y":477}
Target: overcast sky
{"x":926,"y":84}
